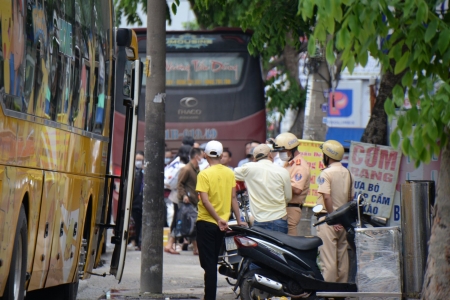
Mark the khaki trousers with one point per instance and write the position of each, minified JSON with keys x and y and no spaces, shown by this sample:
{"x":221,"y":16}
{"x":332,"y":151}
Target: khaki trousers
{"x":294,"y":215}
{"x":333,"y":253}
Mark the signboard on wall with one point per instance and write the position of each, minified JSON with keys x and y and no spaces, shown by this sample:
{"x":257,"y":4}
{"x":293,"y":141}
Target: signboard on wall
{"x":344,"y":105}
{"x":375,"y":170}
{"x":311,"y":152}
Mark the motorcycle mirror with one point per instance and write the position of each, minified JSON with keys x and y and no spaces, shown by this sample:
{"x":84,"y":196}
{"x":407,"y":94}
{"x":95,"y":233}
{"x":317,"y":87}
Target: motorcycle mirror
{"x":318,"y":208}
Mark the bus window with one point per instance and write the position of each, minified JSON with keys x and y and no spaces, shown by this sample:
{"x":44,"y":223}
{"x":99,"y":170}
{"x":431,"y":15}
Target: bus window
{"x":87,"y":97}
{"x":38,"y":76}
{"x":203,"y":69}
{"x":76,"y":75}
{"x":53,"y":101}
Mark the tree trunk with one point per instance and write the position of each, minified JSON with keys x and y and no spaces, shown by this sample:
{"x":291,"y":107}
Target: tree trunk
{"x":437,"y":277}
{"x":376,"y":131}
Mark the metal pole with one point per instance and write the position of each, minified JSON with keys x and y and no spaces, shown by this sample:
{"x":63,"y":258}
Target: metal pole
{"x":153,"y":210}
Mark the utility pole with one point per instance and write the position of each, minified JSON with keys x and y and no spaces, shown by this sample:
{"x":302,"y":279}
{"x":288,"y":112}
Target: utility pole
{"x":153,"y":210}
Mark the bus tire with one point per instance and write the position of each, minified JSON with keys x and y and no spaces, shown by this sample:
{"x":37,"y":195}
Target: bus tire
{"x":15,"y":285}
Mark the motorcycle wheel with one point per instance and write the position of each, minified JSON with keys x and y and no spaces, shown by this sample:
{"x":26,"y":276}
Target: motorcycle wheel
{"x":247,"y":292}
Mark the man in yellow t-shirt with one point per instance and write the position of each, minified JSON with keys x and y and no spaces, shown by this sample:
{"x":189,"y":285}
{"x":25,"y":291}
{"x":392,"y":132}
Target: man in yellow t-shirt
{"x":216,"y":186}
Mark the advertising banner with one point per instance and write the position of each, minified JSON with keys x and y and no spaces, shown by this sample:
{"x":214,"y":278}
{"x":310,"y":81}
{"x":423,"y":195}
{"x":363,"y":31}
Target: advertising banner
{"x":344,"y":105}
{"x":375,"y":170}
{"x":313,"y":155}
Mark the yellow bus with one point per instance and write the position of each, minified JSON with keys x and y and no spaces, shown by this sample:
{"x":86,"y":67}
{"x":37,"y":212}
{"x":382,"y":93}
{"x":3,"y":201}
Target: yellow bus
{"x":62,"y":67}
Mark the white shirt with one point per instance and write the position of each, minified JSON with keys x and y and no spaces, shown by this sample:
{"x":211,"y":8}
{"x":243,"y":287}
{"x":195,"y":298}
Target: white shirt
{"x":269,"y":189}
{"x":243,"y":162}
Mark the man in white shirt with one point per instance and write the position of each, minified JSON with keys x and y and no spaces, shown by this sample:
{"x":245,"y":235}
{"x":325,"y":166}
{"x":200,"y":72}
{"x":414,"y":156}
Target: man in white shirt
{"x":269,"y":189}
{"x":248,"y":148}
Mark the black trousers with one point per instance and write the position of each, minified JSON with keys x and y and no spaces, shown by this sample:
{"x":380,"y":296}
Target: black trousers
{"x":209,"y":241}
{"x":136,"y":213}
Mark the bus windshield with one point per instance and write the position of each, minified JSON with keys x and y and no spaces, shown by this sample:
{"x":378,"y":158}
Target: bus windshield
{"x":214,"y":90}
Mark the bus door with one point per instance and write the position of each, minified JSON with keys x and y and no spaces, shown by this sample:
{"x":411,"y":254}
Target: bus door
{"x":128,"y":81}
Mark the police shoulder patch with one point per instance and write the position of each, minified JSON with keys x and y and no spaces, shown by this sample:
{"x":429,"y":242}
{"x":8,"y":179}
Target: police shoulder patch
{"x":320,"y":180}
{"x":298,"y":162}
{"x":298,"y":177}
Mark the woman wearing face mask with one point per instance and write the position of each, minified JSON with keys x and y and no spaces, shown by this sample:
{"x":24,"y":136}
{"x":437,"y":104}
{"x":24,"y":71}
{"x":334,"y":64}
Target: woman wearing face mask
{"x":286,"y":144}
{"x":136,"y":210}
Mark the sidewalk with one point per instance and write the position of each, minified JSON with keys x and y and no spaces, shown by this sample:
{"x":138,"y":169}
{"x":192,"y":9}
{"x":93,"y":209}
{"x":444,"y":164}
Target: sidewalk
{"x":182,"y":279}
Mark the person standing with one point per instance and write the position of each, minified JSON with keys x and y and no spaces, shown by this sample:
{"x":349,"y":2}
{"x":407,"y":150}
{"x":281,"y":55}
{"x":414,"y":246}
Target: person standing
{"x":226,"y":158}
{"x":335,"y":189}
{"x":248,"y":147}
{"x":136,"y":207}
{"x":216,"y":186}
{"x":187,"y":181}
{"x":286,"y":144}
{"x":269,"y":190}
{"x":276,"y":156}
{"x":178,"y":163}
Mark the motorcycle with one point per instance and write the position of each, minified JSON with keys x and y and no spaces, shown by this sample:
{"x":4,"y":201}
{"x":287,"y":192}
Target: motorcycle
{"x":229,"y":259}
{"x":276,"y":264}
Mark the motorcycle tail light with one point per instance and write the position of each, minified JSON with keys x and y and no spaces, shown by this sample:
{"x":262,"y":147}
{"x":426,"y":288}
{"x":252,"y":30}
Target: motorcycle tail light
{"x":244,"y":242}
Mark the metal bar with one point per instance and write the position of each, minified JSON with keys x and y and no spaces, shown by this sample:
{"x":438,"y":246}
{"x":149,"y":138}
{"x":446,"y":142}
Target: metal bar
{"x":228,"y":255}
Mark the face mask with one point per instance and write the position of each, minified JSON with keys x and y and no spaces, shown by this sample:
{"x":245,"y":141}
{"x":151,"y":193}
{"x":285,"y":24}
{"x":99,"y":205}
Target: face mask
{"x":284,"y":156}
{"x":166,"y":160}
{"x":138,"y":164}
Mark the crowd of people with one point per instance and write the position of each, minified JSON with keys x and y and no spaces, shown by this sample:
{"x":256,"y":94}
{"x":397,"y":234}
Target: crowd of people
{"x":277,"y":179}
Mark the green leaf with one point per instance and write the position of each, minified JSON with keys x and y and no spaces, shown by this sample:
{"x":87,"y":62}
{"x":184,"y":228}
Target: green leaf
{"x":389,"y":107}
{"x":330,"y":53}
{"x":306,"y":10}
{"x":402,"y":63}
{"x":330,"y":25}
{"x":413,"y":114}
{"x":363,"y":58}
{"x":405,"y":145}
{"x":407,"y":79}
{"x":354,"y":25}
{"x":398,"y":92}
{"x":431,"y":30}
{"x":432,"y":132}
{"x":174,"y":8}
{"x":312,"y":46}
{"x":422,"y":12}
{"x":444,"y":39}
{"x":395,"y":138}
{"x":337,"y":10}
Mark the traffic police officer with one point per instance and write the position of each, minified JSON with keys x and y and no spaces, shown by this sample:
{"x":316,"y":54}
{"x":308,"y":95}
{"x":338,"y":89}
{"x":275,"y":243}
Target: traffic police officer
{"x":335,"y":189}
{"x":286,"y":144}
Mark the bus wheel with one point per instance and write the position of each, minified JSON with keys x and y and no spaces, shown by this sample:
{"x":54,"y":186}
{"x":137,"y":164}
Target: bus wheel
{"x":15,"y":286}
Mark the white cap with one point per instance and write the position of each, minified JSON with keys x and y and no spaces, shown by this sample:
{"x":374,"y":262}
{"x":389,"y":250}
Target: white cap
{"x":214,"y":149}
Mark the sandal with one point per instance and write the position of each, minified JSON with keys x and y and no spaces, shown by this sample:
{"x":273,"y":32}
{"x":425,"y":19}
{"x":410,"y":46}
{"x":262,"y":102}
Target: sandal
{"x":195,"y":252}
{"x":171,"y":251}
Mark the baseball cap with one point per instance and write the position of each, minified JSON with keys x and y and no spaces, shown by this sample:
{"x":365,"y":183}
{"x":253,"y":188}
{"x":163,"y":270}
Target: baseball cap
{"x":214,"y":149}
{"x":261,"y":151}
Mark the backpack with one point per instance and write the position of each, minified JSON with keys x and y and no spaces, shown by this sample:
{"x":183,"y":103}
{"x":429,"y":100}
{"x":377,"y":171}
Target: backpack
{"x":186,"y":218}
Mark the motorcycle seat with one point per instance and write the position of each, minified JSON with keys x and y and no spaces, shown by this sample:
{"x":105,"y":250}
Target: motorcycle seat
{"x":298,"y":242}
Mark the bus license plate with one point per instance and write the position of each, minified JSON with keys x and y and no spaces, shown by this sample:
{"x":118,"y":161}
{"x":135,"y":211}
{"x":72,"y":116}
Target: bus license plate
{"x":230,"y":244}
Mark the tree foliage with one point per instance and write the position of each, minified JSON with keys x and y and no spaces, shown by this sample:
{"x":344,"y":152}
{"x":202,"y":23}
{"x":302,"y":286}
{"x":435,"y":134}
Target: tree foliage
{"x":275,"y":26}
{"x":412,"y":35}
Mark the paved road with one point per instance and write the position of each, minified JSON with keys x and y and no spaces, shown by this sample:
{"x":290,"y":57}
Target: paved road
{"x":182,"y":275}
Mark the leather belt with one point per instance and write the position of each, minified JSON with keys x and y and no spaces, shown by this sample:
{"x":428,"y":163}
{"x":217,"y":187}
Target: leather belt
{"x":295,"y":205}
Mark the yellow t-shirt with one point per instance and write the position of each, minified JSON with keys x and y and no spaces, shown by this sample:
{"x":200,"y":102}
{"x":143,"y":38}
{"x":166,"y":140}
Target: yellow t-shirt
{"x":217,"y":181}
